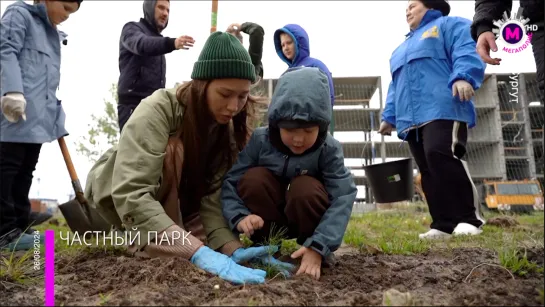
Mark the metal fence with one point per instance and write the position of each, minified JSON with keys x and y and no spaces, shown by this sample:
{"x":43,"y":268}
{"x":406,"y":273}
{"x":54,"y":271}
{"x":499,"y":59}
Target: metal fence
{"x":505,"y":146}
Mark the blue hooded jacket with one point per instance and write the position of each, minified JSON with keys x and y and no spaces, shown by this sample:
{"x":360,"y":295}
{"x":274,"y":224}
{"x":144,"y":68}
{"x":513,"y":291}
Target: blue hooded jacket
{"x":30,"y":60}
{"x":301,"y":94}
{"x":424,"y":68}
{"x":302,"y":53}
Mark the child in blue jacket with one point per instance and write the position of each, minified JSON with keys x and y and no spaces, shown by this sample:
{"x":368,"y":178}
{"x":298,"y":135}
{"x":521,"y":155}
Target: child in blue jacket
{"x":30,"y":53}
{"x":292,"y":173}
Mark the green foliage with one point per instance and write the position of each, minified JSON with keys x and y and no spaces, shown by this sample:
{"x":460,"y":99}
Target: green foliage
{"x":517,"y":262}
{"x":103,"y":131}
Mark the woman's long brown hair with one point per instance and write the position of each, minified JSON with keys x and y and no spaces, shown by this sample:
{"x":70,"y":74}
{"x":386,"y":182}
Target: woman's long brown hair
{"x":203,"y":162}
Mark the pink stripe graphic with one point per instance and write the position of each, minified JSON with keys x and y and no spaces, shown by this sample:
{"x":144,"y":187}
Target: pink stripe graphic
{"x":49,"y":280}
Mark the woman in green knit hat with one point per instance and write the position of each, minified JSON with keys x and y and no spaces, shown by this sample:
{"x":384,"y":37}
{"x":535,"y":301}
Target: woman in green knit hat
{"x":161,"y":183}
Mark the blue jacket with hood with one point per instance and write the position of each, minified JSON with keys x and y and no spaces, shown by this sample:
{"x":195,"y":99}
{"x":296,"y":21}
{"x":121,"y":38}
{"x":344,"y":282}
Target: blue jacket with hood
{"x":301,"y":94}
{"x":30,"y":61}
{"x":302,"y":53}
{"x":425,"y":66}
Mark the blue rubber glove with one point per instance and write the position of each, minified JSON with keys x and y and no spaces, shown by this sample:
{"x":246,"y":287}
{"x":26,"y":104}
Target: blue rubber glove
{"x":284,"y":268}
{"x":263,"y":255}
{"x":221,"y":265}
{"x":247,"y":254}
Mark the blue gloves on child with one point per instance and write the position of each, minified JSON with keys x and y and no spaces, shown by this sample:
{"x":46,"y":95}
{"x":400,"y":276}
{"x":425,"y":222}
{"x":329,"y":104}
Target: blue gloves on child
{"x":223,"y":266}
{"x":263,"y":255}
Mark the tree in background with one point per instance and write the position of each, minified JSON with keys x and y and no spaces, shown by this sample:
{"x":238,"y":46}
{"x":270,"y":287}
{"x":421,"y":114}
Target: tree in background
{"x":103,"y":131}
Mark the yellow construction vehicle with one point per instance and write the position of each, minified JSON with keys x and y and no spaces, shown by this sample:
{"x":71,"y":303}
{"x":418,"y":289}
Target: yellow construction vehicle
{"x":512,"y":195}
{"x":503,"y":195}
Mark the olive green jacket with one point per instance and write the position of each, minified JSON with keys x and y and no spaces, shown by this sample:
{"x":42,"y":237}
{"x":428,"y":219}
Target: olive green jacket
{"x":122,"y":185}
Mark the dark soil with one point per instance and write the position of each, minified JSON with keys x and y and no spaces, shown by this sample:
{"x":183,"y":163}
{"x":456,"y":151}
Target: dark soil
{"x":439,"y":278}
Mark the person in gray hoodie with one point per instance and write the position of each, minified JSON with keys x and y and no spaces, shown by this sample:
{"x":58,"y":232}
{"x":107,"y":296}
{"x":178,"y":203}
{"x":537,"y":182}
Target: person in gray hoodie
{"x":142,"y":61}
{"x":292,"y":174}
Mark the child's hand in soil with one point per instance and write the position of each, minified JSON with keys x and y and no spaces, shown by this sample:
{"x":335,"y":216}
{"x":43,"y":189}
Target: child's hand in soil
{"x":311,"y":263}
{"x":250,"y":224}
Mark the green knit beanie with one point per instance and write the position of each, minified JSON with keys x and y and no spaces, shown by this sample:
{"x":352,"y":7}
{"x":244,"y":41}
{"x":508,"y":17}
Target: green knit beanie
{"x":222,"y":57}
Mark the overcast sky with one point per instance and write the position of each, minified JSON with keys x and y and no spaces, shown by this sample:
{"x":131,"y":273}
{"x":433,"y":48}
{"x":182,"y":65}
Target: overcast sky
{"x":353,"y":38}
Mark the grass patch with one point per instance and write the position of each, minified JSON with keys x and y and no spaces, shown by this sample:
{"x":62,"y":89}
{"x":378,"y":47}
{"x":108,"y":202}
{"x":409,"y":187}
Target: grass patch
{"x":19,"y":269}
{"x":389,"y":232}
{"x":518,"y":263}
{"x":541,"y":296}
{"x":396,"y":232}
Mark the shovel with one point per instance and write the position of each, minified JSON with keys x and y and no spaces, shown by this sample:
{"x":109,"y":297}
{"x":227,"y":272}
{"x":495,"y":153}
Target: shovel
{"x":80,"y":217}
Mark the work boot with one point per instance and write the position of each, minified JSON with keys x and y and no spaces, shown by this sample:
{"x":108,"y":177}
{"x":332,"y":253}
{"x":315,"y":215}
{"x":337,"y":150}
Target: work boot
{"x":17,"y":240}
{"x":37,"y":218}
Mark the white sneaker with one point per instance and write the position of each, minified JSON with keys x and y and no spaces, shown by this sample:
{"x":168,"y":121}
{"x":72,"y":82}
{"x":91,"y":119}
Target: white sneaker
{"x":434,"y":234}
{"x":466,"y":229}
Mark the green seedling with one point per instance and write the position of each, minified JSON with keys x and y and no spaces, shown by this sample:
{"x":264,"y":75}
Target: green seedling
{"x":104,"y":298}
{"x":19,"y":269}
{"x":275,"y":238}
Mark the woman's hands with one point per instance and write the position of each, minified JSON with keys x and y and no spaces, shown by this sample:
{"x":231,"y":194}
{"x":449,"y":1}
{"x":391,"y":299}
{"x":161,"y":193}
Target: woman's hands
{"x":226,"y":268}
{"x":263,"y":255}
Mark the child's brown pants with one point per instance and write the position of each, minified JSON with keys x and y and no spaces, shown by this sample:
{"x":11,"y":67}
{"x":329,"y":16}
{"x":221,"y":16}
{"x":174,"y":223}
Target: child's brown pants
{"x":298,"y":206}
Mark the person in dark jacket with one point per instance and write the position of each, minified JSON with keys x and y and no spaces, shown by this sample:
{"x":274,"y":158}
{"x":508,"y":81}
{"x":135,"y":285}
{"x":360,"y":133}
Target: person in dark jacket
{"x":256,"y":36}
{"x":435,"y":73}
{"x":255,"y":49}
{"x":142,"y":62}
{"x":292,"y":174}
{"x":488,"y":11}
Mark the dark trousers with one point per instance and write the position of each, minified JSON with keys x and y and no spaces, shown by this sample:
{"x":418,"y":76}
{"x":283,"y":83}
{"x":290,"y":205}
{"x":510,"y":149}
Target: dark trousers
{"x":17,"y":163}
{"x":298,"y":206}
{"x":124,"y":112}
{"x":450,"y":193}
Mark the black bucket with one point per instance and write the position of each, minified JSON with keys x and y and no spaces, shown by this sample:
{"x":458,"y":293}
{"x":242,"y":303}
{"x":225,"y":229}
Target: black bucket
{"x":391,"y":181}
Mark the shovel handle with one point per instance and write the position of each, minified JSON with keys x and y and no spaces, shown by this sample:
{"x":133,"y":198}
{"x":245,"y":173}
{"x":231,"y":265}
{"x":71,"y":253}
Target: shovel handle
{"x":72,"y":171}
{"x":68,"y":159}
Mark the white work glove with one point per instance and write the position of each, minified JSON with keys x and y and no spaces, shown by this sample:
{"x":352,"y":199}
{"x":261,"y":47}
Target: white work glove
{"x":385,"y":128}
{"x":13,"y":106}
{"x":463,"y":89}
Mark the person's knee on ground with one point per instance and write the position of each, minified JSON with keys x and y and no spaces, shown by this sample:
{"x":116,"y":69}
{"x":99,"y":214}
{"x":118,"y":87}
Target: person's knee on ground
{"x":263,"y":195}
{"x":306,"y":203}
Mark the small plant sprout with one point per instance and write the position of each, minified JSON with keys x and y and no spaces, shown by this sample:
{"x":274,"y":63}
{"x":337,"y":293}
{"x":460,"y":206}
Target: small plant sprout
{"x":276,"y":235}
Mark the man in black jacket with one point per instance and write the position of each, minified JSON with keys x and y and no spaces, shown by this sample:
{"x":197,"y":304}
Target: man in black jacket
{"x":142,"y":62}
{"x":256,"y":36}
{"x":487,"y":11}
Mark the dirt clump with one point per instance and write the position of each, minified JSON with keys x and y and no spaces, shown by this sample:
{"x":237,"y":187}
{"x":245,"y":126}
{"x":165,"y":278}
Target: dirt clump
{"x":503,"y":221}
{"x":438,"y":278}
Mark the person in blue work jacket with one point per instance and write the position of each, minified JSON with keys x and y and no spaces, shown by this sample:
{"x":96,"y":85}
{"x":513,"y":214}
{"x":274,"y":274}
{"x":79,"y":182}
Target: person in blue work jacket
{"x":30,"y":53}
{"x":435,"y":73}
{"x":293,"y":47}
{"x":292,"y":174}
